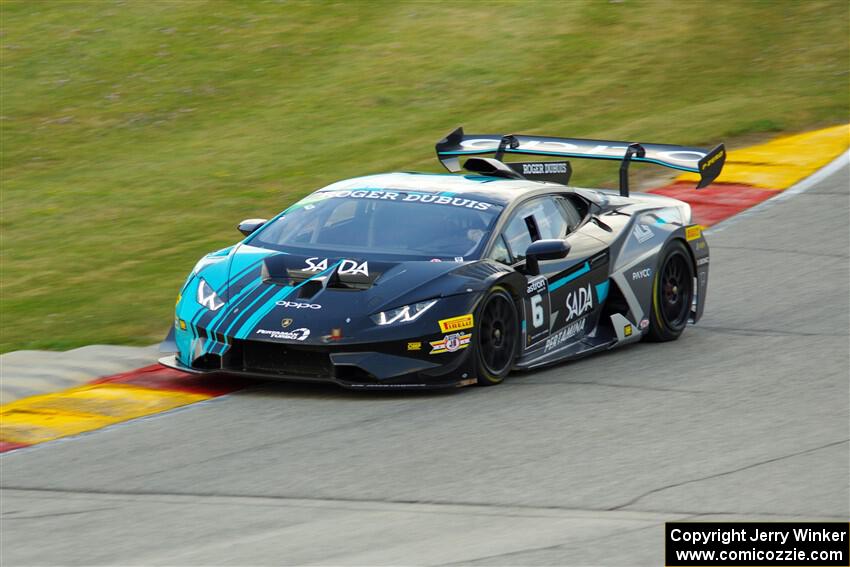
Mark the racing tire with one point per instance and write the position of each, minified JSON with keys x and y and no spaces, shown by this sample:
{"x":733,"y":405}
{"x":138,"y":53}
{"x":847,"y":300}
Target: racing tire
{"x":672,"y":294}
{"x":496,"y":337}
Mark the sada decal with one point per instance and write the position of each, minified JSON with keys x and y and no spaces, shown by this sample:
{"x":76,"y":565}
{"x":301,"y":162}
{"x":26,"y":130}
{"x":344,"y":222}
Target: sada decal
{"x":579,"y":302}
{"x":346,"y":267}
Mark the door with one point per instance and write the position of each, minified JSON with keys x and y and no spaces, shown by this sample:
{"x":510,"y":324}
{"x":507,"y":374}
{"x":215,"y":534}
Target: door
{"x":562,"y":304}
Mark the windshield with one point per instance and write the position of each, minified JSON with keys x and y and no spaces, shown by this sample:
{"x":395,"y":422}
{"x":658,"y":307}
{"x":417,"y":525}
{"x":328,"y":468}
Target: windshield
{"x":405,"y":224}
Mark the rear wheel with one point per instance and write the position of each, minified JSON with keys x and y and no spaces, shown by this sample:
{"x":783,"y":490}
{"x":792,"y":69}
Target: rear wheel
{"x":672,"y":294}
{"x":497,"y":337}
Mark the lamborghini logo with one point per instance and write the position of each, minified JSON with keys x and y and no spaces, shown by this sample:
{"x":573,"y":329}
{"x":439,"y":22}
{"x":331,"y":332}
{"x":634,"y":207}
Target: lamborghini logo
{"x":285,"y":323}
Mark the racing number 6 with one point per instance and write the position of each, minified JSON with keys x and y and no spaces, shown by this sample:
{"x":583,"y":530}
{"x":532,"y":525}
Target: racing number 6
{"x":537,"y":310}
{"x":537,"y":314}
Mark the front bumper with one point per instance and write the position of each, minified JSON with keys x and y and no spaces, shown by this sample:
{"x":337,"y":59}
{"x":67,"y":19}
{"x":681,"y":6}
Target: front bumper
{"x":347,"y":367}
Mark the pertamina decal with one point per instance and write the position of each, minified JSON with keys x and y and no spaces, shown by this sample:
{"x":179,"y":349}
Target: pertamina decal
{"x":295,"y":335}
{"x":565,"y":334}
{"x":451,"y":343}
{"x":456,"y":323}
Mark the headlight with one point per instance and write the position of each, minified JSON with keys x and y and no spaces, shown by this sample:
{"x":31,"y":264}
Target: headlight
{"x":207,"y":297}
{"x":206,"y":261}
{"x":404,"y":314}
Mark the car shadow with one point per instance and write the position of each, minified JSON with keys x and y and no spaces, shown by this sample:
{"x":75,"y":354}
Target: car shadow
{"x":303,"y":390}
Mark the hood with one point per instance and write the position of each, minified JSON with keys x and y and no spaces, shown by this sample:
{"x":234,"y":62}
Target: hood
{"x":314,"y":294}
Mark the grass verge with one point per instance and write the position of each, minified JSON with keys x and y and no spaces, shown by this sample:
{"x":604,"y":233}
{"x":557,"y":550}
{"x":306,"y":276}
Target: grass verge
{"x":134,"y":135}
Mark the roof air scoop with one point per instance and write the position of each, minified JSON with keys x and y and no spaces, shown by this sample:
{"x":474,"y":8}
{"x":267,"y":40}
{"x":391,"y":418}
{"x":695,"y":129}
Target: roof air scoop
{"x":491,"y":167}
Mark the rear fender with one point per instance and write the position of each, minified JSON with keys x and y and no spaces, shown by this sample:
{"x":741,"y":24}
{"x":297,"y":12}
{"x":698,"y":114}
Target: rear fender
{"x":698,"y":247}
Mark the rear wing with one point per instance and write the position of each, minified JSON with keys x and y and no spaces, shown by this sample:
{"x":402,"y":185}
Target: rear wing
{"x":708,"y":163}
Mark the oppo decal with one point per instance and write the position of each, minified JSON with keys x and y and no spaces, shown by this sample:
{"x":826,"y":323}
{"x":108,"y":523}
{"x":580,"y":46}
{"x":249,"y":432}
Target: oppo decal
{"x":298,"y":305}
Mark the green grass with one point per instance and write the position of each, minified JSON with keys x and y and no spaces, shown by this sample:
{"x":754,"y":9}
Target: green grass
{"x":136,"y":134}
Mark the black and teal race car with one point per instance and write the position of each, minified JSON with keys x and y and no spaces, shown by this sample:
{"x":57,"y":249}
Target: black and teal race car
{"x":415,"y":280}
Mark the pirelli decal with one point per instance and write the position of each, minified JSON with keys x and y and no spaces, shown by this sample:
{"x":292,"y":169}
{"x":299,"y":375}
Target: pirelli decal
{"x":456,"y":323}
{"x":693,"y":232}
{"x":711,"y":160}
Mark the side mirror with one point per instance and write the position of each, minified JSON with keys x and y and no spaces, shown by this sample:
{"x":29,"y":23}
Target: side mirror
{"x":544,"y":250}
{"x":248,"y":226}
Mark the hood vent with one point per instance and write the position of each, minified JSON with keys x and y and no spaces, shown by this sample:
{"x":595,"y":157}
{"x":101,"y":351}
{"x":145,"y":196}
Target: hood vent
{"x":479,"y":270}
{"x":351,"y":282}
{"x":311,"y":288}
{"x":274,"y":270}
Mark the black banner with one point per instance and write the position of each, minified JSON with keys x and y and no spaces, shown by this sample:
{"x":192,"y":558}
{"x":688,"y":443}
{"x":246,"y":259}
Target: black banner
{"x":554,"y":171}
{"x":807,"y":544}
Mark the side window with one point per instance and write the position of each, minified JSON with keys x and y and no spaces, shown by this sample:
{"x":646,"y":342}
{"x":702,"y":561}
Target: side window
{"x":516,"y":234}
{"x":500,"y":252}
{"x":571,"y":213}
{"x":549,"y":216}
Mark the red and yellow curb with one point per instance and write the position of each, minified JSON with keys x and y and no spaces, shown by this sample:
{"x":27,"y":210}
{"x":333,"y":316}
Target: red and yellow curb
{"x":716,"y":202}
{"x":750,"y":176}
{"x":756,"y":173}
{"x":784,"y":161}
{"x":107,"y":401}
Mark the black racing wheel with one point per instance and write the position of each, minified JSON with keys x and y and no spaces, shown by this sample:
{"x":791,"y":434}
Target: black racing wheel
{"x":672,"y":293}
{"x":496,"y":337}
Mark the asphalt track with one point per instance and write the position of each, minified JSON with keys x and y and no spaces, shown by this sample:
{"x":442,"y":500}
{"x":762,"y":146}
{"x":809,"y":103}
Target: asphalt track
{"x":745,"y":417}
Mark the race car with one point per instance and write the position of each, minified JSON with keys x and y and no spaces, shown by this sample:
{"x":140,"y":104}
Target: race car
{"x":418,"y":280}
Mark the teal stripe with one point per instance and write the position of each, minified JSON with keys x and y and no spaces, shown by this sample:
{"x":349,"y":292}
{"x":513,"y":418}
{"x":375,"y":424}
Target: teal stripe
{"x":234,"y":303}
{"x":199,"y":312}
{"x":211,"y":343}
{"x":212,"y":328}
{"x":602,"y":291}
{"x":246,"y":328}
{"x":258,"y":314}
{"x":193,"y":317}
{"x":260,"y":297}
{"x":566,"y":279}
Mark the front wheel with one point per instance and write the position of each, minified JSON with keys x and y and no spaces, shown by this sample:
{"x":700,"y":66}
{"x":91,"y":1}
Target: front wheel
{"x":497,"y":337}
{"x":672,"y":293}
